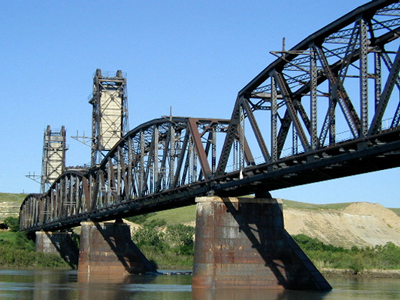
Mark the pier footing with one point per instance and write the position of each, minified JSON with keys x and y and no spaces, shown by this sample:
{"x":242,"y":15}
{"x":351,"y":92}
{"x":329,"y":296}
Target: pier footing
{"x":242,"y":243}
{"x":59,"y":243}
{"x":107,"y":249}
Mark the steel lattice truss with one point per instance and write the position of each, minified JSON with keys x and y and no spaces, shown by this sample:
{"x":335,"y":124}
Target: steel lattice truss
{"x":161,"y":155}
{"x":327,"y":108}
{"x":339,"y":83}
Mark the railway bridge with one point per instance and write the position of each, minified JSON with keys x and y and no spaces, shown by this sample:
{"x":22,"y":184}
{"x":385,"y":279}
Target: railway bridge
{"x":327,"y":108}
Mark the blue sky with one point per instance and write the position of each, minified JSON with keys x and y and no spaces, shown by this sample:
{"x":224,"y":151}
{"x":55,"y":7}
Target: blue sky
{"x":192,"y":55}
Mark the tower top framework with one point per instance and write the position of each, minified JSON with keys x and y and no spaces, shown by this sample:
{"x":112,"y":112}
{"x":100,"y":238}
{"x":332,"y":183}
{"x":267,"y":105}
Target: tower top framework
{"x":110,"y":113}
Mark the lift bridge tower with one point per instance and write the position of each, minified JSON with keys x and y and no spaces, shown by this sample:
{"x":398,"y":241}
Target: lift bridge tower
{"x":110,"y":113}
{"x":53,"y":158}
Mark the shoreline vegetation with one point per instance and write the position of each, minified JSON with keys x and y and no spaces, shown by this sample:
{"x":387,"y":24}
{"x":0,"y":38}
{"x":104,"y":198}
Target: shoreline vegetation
{"x":372,"y":273}
{"x":171,"y":246}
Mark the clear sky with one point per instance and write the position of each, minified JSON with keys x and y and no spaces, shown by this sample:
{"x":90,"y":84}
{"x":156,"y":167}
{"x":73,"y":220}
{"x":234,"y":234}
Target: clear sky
{"x":192,"y":55}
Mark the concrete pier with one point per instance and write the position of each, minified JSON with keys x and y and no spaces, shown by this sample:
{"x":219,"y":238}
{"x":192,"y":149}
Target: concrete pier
{"x":59,"y":243}
{"x":242,"y":243}
{"x":107,"y":249}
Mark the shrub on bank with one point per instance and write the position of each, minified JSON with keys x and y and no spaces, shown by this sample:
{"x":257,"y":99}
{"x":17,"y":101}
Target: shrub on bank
{"x":355,"y":259}
{"x":168,"y":247}
{"x":12,"y":223}
{"x":17,"y":251}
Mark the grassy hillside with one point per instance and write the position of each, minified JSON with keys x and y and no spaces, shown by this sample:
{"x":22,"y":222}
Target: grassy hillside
{"x":10,"y":204}
{"x":12,"y":198}
{"x":309,"y":206}
{"x":177,"y":215}
{"x":188,"y":213}
{"x":395,"y":210}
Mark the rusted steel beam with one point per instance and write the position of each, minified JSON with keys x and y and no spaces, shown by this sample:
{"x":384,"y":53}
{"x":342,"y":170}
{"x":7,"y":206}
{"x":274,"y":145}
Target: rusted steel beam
{"x":196,"y":138}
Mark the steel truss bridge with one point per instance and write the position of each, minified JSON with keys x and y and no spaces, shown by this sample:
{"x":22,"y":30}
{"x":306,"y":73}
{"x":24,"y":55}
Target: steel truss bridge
{"x":327,"y":108}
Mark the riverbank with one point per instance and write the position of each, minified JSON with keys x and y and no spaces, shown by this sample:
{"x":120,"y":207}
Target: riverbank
{"x":371,"y":273}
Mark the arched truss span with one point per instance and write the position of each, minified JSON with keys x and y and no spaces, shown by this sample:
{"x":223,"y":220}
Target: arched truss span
{"x":67,"y":197}
{"x":158,"y":156}
{"x":340,"y":83}
{"x":156,"y":159}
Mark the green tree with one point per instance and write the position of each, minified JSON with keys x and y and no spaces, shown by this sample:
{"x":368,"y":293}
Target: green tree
{"x":181,"y":238}
{"x":12,"y":223}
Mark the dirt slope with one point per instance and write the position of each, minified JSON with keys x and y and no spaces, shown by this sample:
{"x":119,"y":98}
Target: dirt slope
{"x":360,"y":224}
{"x":8,"y":209}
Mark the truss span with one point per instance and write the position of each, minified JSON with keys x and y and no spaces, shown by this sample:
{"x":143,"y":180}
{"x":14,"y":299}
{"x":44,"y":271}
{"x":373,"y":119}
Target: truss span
{"x":144,"y":171}
{"x":340,"y":83}
{"x":327,"y":108}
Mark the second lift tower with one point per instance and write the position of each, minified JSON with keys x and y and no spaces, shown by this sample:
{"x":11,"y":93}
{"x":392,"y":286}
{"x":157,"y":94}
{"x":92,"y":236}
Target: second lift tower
{"x":110,"y":113}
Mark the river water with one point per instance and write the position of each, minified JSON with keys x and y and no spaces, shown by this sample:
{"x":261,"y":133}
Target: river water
{"x":65,"y":285}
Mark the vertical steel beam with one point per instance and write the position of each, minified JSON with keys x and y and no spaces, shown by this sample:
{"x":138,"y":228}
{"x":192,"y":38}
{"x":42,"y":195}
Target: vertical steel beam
{"x":129,"y":180}
{"x":141,"y":164}
{"x":194,"y":164}
{"x":213,"y":150}
{"x":86,"y":192}
{"x":190,"y":162}
{"x":332,"y":113}
{"x":77,"y":195}
{"x":161,"y":178}
{"x":71,"y":195}
{"x":363,"y":77}
{"x":155,"y":167}
{"x":120,"y":164}
{"x":110,"y":179}
{"x":180,"y":159}
{"x":313,"y":99}
{"x":274,"y":120}
{"x":378,"y":78}
{"x":172,"y":143}
{"x":241,"y":131}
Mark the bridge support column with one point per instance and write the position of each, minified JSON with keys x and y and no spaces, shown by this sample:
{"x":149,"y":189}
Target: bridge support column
{"x":59,"y":243}
{"x":107,"y":249}
{"x":242,"y":243}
